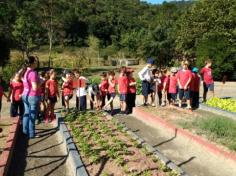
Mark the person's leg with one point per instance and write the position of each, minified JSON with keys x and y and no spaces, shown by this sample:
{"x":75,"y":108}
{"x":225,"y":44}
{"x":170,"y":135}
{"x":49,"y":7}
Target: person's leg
{"x":205,"y":90}
{"x":63,"y":100}
{"x":91,"y":103}
{"x":197,"y":99}
{"x":127,"y":102}
{"x":160,"y":97}
{"x":181,"y":95}
{"x":33,"y":108}
{"x":13,"y":109}
{"x":211,"y":88}
{"x":145,"y":92}
{"x":21,"y":109}
{"x":83,"y":103}
{"x":187,"y":96}
{"x":26,"y":115}
{"x":77,"y":102}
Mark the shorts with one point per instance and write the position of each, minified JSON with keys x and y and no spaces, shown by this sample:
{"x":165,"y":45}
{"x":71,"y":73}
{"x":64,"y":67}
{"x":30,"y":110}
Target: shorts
{"x":146,"y":88}
{"x":52,"y":100}
{"x":123,"y":97}
{"x":207,"y":87}
{"x":184,"y":93}
{"x":171,"y":96}
{"x":111,"y":95}
{"x":68,"y":97}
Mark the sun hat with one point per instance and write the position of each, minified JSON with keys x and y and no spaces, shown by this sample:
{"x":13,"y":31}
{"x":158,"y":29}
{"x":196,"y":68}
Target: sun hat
{"x":150,"y":61}
{"x":195,"y":70}
{"x":173,"y":70}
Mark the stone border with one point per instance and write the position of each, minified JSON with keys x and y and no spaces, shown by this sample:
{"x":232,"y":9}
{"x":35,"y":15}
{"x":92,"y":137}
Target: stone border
{"x":218,"y":111}
{"x":6,"y":156}
{"x":150,"y":118}
{"x":74,"y":158}
{"x":156,"y":153}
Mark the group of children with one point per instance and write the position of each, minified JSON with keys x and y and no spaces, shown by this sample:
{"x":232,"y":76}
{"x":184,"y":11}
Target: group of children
{"x":183,"y":81}
{"x":166,"y":84}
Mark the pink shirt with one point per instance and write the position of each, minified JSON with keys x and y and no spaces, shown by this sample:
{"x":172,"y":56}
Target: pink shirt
{"x":184,"y":76}
{"x":29,"y":77}
{"x":172,"y":85}
{"x":207,"y":75}
{"x":123,"y":84}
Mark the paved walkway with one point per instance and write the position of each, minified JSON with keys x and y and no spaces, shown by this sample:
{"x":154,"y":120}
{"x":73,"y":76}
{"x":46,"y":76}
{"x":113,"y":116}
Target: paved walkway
{"x":193,"y":159}
{"x":41,"y":156}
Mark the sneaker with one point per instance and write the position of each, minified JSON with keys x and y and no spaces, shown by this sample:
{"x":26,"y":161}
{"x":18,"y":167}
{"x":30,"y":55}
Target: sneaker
{"x":180,"y":105}
{"x":163,"y":104}
{"x":189,"y":107}
{"x":153,"y":105}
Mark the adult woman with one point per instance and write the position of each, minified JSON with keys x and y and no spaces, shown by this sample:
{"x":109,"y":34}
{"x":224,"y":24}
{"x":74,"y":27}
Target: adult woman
{"x":31,"y":96}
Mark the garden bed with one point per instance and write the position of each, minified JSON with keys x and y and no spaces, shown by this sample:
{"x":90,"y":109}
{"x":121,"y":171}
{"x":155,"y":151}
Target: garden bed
{"x":106,"y":150}
{"x":221,"y":106}
{"x":215,"y":128}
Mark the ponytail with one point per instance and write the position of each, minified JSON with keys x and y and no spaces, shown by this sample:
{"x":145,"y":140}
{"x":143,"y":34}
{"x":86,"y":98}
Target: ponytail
{"x":28,"y":62}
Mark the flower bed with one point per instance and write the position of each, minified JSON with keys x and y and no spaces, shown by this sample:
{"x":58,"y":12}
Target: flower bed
{"x":226,"y":104}
{"x":106,"y":150}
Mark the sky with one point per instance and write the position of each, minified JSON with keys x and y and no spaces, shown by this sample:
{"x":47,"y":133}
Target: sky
{"x":156,"y":1}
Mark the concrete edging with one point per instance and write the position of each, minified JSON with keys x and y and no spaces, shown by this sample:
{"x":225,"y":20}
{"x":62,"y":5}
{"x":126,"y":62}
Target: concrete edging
{"x":218,"y":111}
{"x":156,"y":153}
{"x":6,"y":156}
{"x":78,"y":168}
{"x":145,"y":116}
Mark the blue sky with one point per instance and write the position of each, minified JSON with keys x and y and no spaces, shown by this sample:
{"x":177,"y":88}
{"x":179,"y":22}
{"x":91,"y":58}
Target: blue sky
{"x":156,"y":1}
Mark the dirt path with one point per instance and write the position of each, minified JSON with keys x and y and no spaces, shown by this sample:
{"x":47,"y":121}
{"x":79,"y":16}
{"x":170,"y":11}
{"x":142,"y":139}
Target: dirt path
{"x":41,"y":156}
{"x":189,"y":156}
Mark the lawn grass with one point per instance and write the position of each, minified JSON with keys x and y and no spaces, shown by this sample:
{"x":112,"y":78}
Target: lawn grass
{"x":217,"y":128}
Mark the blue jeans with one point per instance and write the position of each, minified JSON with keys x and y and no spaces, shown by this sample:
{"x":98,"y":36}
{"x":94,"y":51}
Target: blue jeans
{"x":31,"y":104}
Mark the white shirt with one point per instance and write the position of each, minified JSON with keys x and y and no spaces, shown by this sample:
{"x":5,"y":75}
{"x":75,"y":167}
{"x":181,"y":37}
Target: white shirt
{"x":145,"y":74}
{"x":81,"y":91}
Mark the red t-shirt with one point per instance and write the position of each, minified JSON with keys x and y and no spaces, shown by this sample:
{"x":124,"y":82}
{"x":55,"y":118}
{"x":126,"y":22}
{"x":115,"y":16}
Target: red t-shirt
{"x":207,"y":75}
{"x":52,"y":87}
{"x":173,"y":85}
{"x":42,"y":88}
{"x":112,"y":88}
{"x":131,"y":89}
{"x":67,"y":88}
{"x":104,"y":87}
{"x":1,"y":92}
{"x":184,"y":76}
{"x":160,"y":86}
{"x":17,"y":90}
{"x":123,"y":84}
{"x":195,"y":83}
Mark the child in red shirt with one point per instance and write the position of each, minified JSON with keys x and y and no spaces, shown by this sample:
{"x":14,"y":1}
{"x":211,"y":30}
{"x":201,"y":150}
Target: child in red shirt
{"x":172,"y":90}
{"x":184,"y":77}
{"x":194,"y":87}
{"x":15,"y":94}
{"x":67,"y":90}
{"x":52,"y":93}
{"x":123,"y":89}
{"x":165,"y":83}
{"x":131,"y":96}
{"x":111,"y":90}
{"x":43,"y":103}
{"x":103,"y":88}
{"x":208,"y":82}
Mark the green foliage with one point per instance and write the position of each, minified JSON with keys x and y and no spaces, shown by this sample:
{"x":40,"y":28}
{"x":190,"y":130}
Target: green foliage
{"x":225,"y":104}
{"x":27,"y":29}
{"x":222,"y":129}
{"x":208,"y":30}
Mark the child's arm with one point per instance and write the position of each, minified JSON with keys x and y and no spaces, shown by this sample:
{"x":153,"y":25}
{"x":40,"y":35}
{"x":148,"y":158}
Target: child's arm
{"x":180,"y":86}
{"x":187,"y":84}
{"x":63,"y":79}
{"x":9,"y":94}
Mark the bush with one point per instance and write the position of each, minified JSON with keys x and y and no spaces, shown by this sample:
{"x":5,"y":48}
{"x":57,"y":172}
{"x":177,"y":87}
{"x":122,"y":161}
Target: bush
{"x":10,"y":69}
{"x":225,"y":104}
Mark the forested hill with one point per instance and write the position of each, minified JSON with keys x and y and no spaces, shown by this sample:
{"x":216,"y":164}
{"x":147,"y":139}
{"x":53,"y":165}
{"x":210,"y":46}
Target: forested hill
{"x":194,"y":29}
